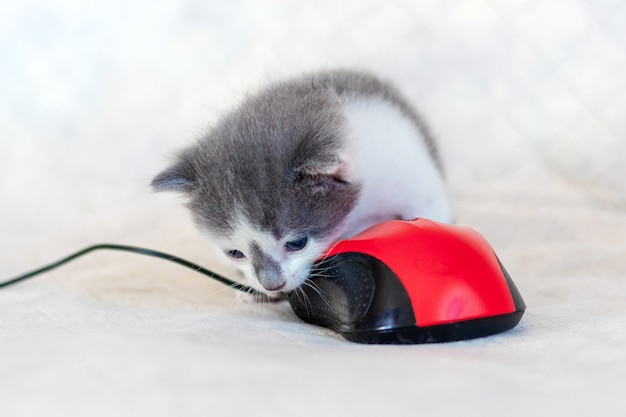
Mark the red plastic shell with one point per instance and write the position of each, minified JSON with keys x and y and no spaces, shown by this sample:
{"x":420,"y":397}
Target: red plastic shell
{"x":451,"y":273}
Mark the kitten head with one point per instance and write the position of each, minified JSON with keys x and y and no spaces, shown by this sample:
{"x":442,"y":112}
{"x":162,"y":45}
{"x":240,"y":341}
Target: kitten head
{"x":270,"y":184}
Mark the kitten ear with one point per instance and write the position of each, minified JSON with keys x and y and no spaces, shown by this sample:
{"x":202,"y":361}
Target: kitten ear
{"x":338,"y":172}
{"x":179,"y":177}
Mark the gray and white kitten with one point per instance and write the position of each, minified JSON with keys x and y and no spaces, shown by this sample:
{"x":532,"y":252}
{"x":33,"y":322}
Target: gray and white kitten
{"x":302,"y":164}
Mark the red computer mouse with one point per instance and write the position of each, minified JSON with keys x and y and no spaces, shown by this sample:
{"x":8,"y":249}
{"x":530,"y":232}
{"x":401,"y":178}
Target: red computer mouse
{"x":414,"y":281}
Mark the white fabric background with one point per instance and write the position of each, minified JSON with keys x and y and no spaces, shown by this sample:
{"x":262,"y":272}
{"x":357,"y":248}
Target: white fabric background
{"x":527,"y":98}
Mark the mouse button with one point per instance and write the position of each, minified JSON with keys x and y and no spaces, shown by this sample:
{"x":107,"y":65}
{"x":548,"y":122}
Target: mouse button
{"x":338,"y":289}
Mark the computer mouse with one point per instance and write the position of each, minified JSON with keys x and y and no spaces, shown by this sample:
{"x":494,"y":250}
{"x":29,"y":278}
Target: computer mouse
{"x":405,"y":282}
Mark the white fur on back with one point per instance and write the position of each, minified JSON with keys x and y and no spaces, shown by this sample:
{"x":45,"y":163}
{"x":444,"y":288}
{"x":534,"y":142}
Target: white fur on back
{"x":399,"y":176}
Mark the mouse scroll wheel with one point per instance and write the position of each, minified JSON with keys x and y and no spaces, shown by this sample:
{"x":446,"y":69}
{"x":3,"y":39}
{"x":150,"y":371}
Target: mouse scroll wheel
{"x":343,"y":289}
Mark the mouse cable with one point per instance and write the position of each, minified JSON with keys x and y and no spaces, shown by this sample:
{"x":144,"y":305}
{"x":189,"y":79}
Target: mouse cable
{"x":138,"y":250}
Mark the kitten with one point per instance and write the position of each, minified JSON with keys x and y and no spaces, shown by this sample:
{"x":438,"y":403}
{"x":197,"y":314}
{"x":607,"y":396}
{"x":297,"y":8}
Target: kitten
{"x":302,"y":164}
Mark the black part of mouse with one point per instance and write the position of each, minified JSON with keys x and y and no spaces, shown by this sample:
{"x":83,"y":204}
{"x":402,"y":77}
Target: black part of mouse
{"x":362,"y":299}
{"x":341,"y":294}
{"x":520,"y":305}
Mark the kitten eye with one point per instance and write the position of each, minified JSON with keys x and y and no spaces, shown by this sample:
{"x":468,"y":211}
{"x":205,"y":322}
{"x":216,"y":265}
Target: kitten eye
{"x":297,"y":244}
{"x":235,"y":254}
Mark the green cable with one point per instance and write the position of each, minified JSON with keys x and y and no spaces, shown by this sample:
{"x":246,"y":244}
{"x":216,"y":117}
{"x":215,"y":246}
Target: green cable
{"x":134,"y":249}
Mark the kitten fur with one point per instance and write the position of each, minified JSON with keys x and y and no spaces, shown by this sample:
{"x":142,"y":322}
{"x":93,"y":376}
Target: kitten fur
{"x":303,"y":163}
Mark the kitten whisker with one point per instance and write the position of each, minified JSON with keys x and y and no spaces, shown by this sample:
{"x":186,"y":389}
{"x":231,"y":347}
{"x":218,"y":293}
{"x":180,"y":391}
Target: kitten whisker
{"x":319,"y":291}
{"x":304,"y":299}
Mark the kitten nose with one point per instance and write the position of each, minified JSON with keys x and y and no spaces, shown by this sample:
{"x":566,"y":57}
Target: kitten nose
{"x":274,"y":286}
{"x":271,"y":281}
{"x":268,"y":270}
